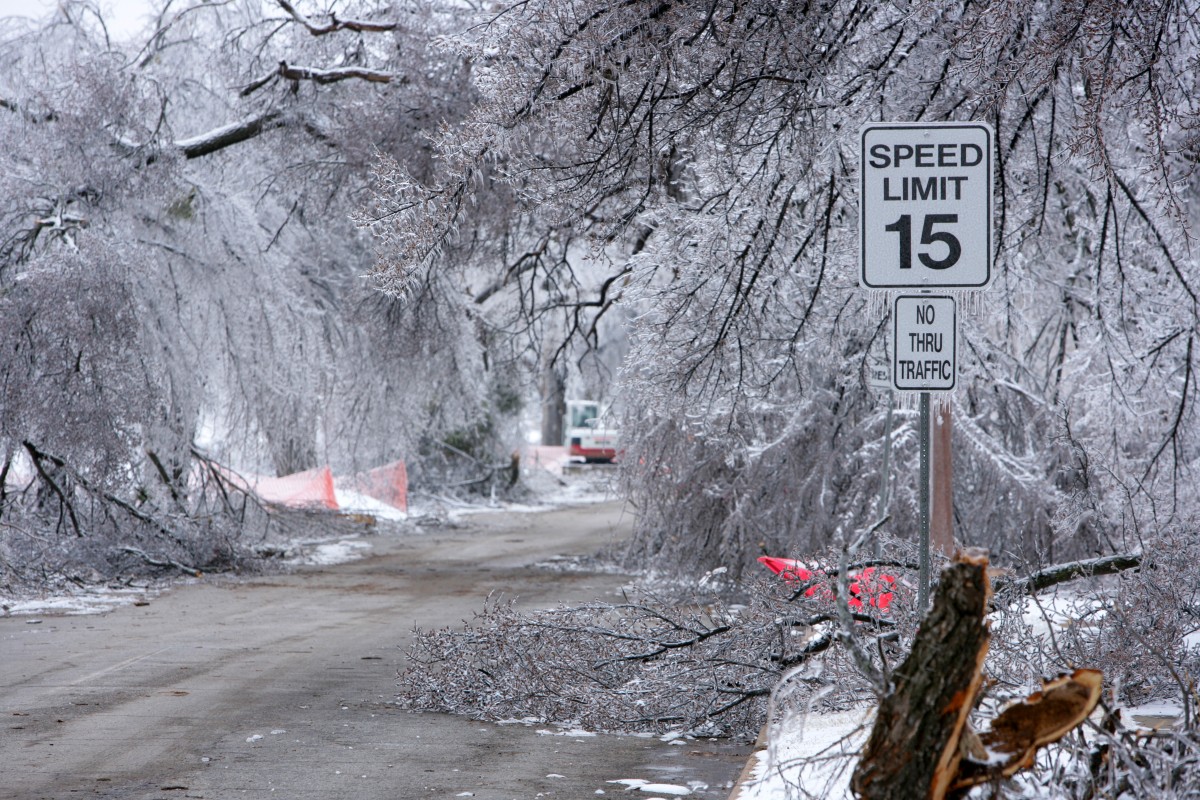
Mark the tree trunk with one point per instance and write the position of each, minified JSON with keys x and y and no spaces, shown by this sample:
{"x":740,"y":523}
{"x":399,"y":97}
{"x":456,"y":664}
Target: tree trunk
{"x":554,"y":404}
{"x":913,"y":751}
{"x":292,"y":454}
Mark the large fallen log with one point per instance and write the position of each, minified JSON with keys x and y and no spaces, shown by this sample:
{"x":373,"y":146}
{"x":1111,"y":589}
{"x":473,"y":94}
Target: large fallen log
{"x":913,"y":751}
{"x":922,"y":747}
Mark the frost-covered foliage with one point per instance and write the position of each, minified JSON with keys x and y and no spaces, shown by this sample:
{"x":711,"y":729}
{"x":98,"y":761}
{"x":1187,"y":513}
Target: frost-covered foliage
{"x":651,"y":663}
{"x":180,"y":278}
{"x":707,"y":153}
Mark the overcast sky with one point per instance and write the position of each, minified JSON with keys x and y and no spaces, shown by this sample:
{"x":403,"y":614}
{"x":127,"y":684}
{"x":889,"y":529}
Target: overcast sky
{"x":123,"y":17}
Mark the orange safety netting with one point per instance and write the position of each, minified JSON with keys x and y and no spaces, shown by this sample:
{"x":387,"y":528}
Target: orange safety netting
{"x":311,"y":488}
{"x":876,"y":587}
{"x":549,"y":457}
{"x":388,"y":484}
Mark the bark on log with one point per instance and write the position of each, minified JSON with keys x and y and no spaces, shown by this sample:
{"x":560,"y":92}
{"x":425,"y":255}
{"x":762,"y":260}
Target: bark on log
{"x":913,"y":751}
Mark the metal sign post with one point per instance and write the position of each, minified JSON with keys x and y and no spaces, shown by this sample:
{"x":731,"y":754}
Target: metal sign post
{"x":924,"y":357}
{"x":923,"y":495}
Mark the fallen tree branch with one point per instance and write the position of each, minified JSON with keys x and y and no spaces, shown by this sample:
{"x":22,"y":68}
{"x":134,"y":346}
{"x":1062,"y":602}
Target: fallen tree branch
{"x":65,"y":502}
{"x":87,"y":486}
{"x":1061,"y":573}
{"x":161,"y":562}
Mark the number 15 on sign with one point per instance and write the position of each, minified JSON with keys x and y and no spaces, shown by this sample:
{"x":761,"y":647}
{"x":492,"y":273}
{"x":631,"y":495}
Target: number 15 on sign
{"x":925,"y":206}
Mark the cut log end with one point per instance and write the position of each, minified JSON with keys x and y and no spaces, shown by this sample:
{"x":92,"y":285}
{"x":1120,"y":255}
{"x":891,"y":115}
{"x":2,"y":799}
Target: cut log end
{"x":913,"y":750}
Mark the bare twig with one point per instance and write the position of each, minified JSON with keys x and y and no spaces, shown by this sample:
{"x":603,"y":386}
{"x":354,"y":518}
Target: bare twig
{"x":861,"y":658}
{"x":335,"y":24}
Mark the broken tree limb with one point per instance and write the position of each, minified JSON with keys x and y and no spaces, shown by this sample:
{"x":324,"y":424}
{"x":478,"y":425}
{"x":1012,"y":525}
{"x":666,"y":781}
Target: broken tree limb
{"x":913,"y":750}
{"x":1012,"y":742}
{"x":1061,"y":573}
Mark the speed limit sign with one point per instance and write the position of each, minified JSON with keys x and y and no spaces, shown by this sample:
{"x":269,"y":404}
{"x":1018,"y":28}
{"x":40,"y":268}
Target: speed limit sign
{"x":925,"y":206}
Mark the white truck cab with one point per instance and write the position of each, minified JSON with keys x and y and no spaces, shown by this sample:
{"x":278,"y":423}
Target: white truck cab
{"x":586,"y":436}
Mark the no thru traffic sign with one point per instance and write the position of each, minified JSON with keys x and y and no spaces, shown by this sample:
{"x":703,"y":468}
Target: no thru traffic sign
{"x":924,"y":344}
{"x":925,"y":206}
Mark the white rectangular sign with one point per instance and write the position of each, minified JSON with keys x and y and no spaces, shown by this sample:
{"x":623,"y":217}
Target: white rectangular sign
{"x":879,"y":376}
{"x":925,"y":206}
{"x":924,"y":344}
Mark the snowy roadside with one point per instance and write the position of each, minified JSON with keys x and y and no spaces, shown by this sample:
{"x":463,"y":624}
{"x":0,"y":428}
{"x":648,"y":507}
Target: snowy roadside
{"x":814,"y":755}
{"x":806,"y":755}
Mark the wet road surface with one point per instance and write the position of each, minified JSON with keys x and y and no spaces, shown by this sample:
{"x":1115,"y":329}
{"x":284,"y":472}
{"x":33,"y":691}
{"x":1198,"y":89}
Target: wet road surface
{"x":283,"y":686}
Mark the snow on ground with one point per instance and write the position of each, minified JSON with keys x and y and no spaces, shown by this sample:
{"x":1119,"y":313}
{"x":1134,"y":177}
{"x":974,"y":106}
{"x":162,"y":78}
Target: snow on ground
{"x":640,"y":785}
{"x":1061,"y":607}
{"x":81,"y":600}
{"x":328,"y":552}
{"x":544,"y":490}
{"x":1156,"y":715}
{"x":810,"y":755}
{"x":352,"y":502}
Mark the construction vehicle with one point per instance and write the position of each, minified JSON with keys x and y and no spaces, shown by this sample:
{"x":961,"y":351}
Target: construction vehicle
{"x":586,"y":434}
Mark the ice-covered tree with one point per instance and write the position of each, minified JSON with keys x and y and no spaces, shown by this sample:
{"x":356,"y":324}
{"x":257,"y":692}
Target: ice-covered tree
{"x":179,"y":270}
{"x":704,"y":156}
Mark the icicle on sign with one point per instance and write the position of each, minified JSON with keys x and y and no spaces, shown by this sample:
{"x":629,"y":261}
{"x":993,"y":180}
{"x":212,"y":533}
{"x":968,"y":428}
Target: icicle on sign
{"x":925,"y":206}
{"x":924,"y":343}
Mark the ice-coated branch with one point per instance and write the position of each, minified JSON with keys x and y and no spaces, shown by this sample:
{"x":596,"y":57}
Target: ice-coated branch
{"x":861,"y":658}
{"x":335,"y":24}
{"x":1061,"y":573}
{"x":160,"y":562}
{"x":318,"y":75}
{"x":234,"y":133}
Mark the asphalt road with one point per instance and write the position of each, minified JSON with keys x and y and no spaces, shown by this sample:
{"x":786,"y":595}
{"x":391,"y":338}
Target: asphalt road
{"x":283,"y":686}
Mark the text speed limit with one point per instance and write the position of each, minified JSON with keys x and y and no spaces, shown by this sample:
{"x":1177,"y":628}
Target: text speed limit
{"x":925,"y":206}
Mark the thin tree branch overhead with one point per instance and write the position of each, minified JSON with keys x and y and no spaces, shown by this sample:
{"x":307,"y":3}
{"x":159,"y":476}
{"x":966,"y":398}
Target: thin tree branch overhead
{"x":234,"y":133}
{"x":318,"y":75}
{"x":335,"y":24}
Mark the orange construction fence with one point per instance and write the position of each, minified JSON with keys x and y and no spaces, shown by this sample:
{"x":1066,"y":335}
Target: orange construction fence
{"x":388,"y":484}
{"x":311,"y":488}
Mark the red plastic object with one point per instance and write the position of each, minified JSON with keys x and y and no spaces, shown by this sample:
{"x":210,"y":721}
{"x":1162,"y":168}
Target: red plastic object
{"x":875,"y":586}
